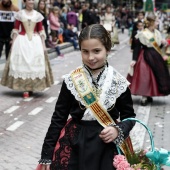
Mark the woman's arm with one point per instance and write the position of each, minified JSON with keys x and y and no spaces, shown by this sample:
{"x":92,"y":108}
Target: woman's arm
{"x":15,"y":30}
{"x":41,"y":31}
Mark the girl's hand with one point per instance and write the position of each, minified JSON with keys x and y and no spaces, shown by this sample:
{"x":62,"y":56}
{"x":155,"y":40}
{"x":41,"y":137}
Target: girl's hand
{"x":45,"y":167}
{"x":164,"y":42}
{"x":109,"y":134}
{"x":132,"y":63}
{"x":45,"y":49}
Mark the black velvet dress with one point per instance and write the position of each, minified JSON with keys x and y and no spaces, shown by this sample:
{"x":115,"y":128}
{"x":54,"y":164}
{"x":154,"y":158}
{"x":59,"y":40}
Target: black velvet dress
{"x":79,"y":146}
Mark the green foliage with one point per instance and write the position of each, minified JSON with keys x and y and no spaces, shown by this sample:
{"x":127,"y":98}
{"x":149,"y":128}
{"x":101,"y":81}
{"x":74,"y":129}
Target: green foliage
{"x":168,"y":61}
{"x":138,"y":160}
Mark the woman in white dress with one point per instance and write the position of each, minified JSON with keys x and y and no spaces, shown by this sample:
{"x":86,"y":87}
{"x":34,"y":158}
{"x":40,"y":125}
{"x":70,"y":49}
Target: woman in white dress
{"x":28,"y":68}
{"x":109,"y":22}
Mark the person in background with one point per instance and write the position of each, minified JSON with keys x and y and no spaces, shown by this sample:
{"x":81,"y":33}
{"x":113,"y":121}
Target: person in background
{"x":54,"y":24}
{"x":77,"y":6}
{"x":97,"y":16}
{"x":7,"y":11}
{"x":130,"y":25}
{"x":64,"y":16}
{"x":80,"y":18}
{"x":85,"y":13}
{"x":42,"y":9}
{"x":85,"y":137}
{"x":58,"y":3}
{"x":123,"y":19}
{"x":27,"y":68}
{"x":109,"y":19}
{"x":140,"y":17}
{"x":151,"y":76}
{"x":72,"y":18}
{"x":140,"y":26}
{"x":70,"y":36}
{"x":109,"y":22}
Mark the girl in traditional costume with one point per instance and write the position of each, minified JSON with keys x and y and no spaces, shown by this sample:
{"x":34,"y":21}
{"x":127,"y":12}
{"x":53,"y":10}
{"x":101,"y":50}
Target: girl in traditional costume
{"x":94,"y":95}
{"x":28,"y":68}
{"x":151,"y":76}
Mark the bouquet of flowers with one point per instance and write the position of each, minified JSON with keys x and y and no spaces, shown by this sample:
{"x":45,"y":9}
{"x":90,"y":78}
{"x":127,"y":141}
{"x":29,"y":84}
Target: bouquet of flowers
{"x":137,"y":161}
{"x":142,"y":160}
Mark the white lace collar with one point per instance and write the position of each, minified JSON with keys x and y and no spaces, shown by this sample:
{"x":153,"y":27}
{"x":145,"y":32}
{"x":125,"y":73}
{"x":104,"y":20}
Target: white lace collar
{"x":113,"y":85}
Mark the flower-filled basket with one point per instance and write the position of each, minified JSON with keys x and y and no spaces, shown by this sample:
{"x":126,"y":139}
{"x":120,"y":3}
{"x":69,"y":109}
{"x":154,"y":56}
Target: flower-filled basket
{"x":142,"y":160}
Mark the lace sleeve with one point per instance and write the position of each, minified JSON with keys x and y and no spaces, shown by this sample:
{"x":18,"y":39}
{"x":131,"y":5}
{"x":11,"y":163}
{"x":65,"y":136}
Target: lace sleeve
{"x":45,"y":161}
{"x":14,"y":33}
{"x":120,"y":138}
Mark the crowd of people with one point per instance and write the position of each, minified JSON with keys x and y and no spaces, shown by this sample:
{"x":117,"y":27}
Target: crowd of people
{"x":52,"y":24}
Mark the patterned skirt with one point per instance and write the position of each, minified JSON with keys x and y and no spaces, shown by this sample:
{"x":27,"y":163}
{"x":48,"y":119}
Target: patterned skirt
{"x":28,"y":84}
{"x":80,"y":148}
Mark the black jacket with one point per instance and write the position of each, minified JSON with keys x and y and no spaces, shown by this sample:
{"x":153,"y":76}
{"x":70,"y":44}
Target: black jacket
{"x":68,"y":105}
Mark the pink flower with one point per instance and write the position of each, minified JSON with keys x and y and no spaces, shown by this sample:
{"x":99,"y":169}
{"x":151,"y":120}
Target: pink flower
{"x":117,"y":159}
{"x":123,"y":165}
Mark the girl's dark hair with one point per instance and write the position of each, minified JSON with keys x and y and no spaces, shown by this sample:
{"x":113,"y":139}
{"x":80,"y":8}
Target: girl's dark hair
{"x":141,"y":12}
{"x":139,"y":22}
{"x":108,"y":6}
{"x":96,"y":31}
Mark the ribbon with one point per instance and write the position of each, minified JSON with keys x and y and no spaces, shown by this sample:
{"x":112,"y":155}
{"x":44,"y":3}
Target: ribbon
{"x":159,"y":157}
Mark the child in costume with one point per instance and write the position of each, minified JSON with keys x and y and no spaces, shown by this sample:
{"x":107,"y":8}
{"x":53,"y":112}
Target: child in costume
{"x":151,"y":76}
{"x":95,"y":95}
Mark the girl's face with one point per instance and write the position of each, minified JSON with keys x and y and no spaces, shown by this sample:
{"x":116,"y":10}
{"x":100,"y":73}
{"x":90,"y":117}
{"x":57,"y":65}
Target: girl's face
{"x":140,"y":26}
{"x":93,"y":53}
{"x":29,"y":4}
{"x":42,"y":5}
{"x":140,"y":16}
{"x":56,"y":11}
{"x":108,"y":9}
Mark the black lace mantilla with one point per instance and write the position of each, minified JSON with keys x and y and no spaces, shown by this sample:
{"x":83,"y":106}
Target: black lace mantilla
{"x":62,"y":155}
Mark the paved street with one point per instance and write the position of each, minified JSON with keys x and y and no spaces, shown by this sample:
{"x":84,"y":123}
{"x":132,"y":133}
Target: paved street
{"x":24,"y":122}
